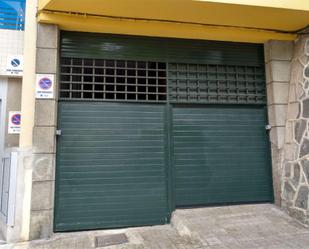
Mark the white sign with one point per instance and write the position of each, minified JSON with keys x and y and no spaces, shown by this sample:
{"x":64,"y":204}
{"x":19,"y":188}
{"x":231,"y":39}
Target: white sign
{"x":14,"y":65}
{"x":44,"y":86}
{"x":14,"y":123}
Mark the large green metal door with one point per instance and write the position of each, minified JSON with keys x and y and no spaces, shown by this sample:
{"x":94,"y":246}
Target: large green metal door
{"x":146,"y":121}
{"x":111,"y":166}
{"x":220,"y":144}
{"x":220,"y":155}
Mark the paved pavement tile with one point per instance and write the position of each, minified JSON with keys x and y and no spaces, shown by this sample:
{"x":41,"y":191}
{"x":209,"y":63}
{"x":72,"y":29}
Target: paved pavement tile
{"x":243,"y":226}
{"x":261,"y":226}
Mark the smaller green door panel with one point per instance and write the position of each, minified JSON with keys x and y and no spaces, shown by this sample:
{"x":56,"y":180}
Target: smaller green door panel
{"x":220,"y":155}
{"x":111,"y":166}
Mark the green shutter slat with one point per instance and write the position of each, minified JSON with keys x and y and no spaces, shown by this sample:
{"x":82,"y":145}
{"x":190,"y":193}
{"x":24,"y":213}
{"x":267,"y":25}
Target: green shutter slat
{"x":110,"y":171}
{"x":121,"y":47}
{"x":212,"y":163}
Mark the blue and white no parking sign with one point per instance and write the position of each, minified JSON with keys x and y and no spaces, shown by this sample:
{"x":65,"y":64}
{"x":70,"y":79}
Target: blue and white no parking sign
{"x":14,"y":122}
{"x":44,"y":86}
{"x":14,"y":65}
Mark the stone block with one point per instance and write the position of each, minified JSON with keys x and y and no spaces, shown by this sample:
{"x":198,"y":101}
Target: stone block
{"x":296,"y":175}
{"x":304,"y":59}
{"x":290,"y":152}
{"x":276,"y":173}
{"x":277,"y":93}
{"x":305,"y":164}
{"x":277,"y":135}
{"x":44,"y":140}
{"x":42,"y":195}
{"x":299,"y":129}
{"x":293,"y":110}
{"x":302,"y":197}
{"x":278,"y":50}
{"x":305,"y":108}
{"x":297,"y":72}
{"x":41,"y":224}
{"x":43,"y":167}
{"x":278,"y":71}
{"x":306,"y":85}
{"x":46,"y":61}
{"x":304,"y":148}
{"x":289,"y":132}
{"x":288,"y":169}
{"x":47,"y":36}
{"x":45,"y":112}
{"x":277,"y":115}
{"x":300,"y":92}
{"x":292,"y":93}
{"x":299,"y":46}
{"x":288,"y":192}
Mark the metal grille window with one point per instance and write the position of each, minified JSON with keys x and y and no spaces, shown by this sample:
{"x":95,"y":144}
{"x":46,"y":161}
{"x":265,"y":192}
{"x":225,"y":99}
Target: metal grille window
{"x":195,"y":83}
{"x":98,"y":79}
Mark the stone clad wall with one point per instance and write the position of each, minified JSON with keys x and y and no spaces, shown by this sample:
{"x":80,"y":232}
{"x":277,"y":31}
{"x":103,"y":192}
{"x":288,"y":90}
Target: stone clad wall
{"x":278,"y":57}
{"x":295,"y":183}
{"x":44,"y":142}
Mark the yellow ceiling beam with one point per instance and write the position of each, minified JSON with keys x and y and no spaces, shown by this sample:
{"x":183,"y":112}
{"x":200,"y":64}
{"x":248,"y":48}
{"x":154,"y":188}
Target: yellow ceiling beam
{"x":159,"y":29}
{"x":284,"y":15}
{"x":282,"y":4}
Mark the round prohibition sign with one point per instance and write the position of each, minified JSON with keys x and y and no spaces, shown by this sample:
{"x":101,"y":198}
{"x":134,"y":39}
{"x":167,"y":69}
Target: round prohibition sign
{"x":15,"y":62}
{"x":45,"y":83}
{"x":16,"y":119}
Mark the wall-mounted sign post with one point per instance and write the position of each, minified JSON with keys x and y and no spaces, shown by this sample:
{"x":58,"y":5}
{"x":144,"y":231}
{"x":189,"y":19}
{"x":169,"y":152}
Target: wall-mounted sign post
{"x":14,"y":122}
{"x":44,"y":88}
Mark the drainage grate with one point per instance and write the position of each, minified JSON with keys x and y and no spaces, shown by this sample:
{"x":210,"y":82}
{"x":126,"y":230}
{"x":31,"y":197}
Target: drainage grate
{"x":109,"y":240}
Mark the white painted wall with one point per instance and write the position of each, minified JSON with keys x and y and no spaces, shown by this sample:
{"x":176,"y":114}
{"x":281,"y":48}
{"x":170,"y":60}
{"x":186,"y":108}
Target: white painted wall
{"x":11,"y":43}
{"x":3,"y":96}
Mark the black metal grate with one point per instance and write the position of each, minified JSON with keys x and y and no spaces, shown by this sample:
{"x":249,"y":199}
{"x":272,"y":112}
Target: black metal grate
{"x":195,"y":83}
{"x":116,"y":80}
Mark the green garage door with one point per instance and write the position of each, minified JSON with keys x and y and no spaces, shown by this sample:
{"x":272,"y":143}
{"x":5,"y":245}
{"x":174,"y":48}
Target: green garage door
{"x":111,"y":166}
{"x":220,"y":155}
{"x":149,"y":124}
{"x":220,"y":145}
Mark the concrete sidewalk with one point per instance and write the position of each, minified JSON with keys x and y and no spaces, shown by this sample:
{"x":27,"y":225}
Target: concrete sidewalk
{"x":242,"y":227}
{"x":233,"y":227}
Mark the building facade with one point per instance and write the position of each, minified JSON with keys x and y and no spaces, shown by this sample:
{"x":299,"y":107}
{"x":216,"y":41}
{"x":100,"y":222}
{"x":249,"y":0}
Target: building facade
{"x":131,"y":111}
{"x":12,"y":15}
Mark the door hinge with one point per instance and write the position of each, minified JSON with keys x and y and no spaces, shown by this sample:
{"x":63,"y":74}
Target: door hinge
{"x":268,"y":127}
{"x":58,"y":132}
